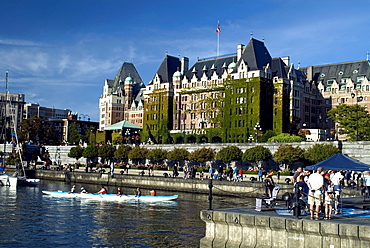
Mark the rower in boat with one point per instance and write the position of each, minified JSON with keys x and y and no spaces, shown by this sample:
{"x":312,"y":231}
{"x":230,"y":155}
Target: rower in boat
{"x":119,"y":191}
{"x":103,"y":190}
{"x":138,"y":192}
{"x":73,"y":189}
{"x":83,"y":190}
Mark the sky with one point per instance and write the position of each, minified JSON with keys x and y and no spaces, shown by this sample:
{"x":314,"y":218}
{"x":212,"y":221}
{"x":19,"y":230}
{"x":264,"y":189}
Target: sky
{"x":59,"y":52}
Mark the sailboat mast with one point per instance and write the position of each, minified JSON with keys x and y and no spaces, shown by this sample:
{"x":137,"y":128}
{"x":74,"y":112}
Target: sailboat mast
{"x":5,"y":115}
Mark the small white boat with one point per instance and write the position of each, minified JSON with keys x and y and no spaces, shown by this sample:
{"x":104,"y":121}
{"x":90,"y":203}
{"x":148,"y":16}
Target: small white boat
{"x":24,"y":181}
{"x":8,"y":180}
{"x":111,"y":197}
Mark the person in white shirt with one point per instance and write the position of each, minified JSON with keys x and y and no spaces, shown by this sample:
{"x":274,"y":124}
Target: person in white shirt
{"x":315,"y":183}
{"x":336,"y":177}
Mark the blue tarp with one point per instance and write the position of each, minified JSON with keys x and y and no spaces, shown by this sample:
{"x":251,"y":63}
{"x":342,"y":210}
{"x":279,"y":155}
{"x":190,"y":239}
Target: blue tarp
{"x":340,"y":162}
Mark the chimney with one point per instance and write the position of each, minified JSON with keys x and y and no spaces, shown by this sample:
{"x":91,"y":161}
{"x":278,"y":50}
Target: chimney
{"x":240,"y":51}
{"x":286,"y":60}
{"x":184,"y":65}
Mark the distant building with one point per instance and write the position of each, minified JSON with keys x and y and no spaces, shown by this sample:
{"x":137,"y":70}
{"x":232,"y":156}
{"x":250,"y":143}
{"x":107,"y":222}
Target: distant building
{"x":61,"y":126}
{"x":334,"y":84}
{"x":122,"y":98}
{"x":11,"y":112}
{"x":45,"y":113}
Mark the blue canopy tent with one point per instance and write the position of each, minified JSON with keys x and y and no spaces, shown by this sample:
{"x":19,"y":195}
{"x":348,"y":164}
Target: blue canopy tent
{"x":340,"y":162}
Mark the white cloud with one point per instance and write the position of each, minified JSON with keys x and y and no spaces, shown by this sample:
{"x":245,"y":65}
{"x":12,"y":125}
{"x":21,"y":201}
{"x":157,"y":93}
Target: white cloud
{"x":14,"y":42}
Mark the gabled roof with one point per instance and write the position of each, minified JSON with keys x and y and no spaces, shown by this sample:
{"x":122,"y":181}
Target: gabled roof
{"x":127,"y":70}
{"x":338,"y":71}
{"x":278,"y":68}
{"x":123,"y":125}
{"x":217,"y":63}
{"x":256,"y":55}
{"x":340,"y":162}
{"x":167,"y":68}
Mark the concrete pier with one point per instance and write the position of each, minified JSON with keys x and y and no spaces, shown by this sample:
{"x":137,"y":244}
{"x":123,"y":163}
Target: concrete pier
{"x":245,"y":227}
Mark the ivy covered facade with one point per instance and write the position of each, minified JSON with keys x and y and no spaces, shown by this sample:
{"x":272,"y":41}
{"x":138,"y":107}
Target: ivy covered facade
{"x":224,"y":99}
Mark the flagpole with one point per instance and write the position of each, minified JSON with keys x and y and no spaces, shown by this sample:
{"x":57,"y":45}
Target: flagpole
{"x":218,"y":44}
{"x":218,"y":31}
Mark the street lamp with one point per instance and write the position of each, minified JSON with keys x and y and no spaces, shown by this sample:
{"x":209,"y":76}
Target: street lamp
{"x":250,"y":139}
{"x":127,"y":134}
{"x":358,"y":99}
{"x":258,"y":128}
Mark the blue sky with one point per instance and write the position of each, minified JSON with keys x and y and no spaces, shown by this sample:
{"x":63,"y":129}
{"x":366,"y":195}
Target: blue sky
{"x":59,"y":52}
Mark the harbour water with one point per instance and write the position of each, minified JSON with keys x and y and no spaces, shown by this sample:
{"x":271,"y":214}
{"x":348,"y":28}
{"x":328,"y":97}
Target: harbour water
{"x":30,"y":219}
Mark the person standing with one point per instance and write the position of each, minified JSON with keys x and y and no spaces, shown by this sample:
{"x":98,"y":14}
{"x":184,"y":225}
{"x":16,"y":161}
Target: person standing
{"x":210,"y":172}
{"x":260,"y":175}
{"x":315,"y":183}
{"x":112,"y":169}
{"x":269,"y":183}
{"x":220,"y":172}
{"x":297,"y":174}
{"x":175,"y":173}
{"x":367,"y":182}
{"x":336,"y":179}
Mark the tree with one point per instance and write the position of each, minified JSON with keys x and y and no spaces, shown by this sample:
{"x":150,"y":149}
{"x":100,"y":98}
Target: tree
{"x":74,"y":136}
{"x":320,"y":152}
{"x":106,"y":152}
{"x":202,"y":155}
{"x":90,"y":152}
{"x":138,"y":153}
{"x":156,"y":155}
{"x":287,"y":154}
{"x":122,"y":152}
{"x":229,"y":154}
{"x":352,"y":120}
{"x":266,"y":136}
{"x":76,"y":152}
{"x":37,"y":130}
{"x":178,"y":154}
{"x":286,"y":138}
{"x":257,"y":154}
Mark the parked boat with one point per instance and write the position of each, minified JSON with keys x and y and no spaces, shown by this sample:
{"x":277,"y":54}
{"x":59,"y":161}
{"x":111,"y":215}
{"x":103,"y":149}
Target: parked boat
{"x":110,"y":197}
{"x":24,"y":181}
{"x":8,"y":180}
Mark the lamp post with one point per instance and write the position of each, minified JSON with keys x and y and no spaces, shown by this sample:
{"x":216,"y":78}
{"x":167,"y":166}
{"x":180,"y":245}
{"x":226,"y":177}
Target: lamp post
{"x":358,"y":99}
{"x":127,"y":134}
{"x":257,"y":127}
{"x":250,"y":139}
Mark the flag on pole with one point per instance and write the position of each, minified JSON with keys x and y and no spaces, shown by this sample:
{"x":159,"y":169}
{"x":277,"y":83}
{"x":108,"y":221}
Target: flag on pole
{"x":218,"y":30}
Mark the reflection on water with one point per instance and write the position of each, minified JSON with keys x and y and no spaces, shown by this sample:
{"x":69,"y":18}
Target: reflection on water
{"x":35,"y":220}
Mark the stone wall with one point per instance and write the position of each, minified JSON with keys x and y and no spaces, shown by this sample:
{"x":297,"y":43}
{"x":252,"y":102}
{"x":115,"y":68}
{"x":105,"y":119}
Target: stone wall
{"x":358,"y":150}
{"x":159,"y":183}
{"x":241,"y":228}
